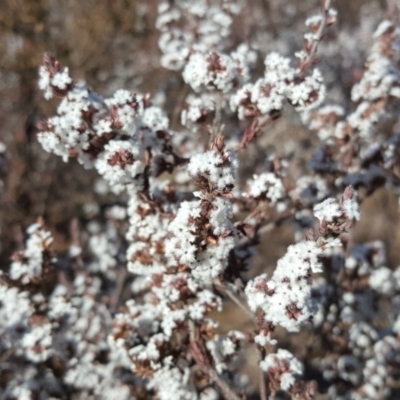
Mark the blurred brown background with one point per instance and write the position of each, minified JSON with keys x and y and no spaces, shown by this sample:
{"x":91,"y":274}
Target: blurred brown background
{"x":113,"y":44}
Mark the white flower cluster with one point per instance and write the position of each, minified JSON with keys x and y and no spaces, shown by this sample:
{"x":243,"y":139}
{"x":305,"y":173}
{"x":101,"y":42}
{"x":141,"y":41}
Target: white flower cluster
{"x":380,"y":81}
{"x":198,"y":107}
{"x":147,"y":230}
{"x":224,"y":350}
{"x":218,"y":71}
{"x":213,"y":71}
{"x":28,"y":264}
{"x":330,"y":210}
{"x":109,"y":134}
{"x":377,"y":371}
{"x":282,"y":367}
{"x":51,"y":81}
{"x":15,"y":310}
{"x":120,"y":164}
{"x":365,"y":363}
{"x":65,"y":330}
{"x":127,"y":110}
{"x":269,"y":94}
{"x":183,"y":245}
{"x":326,"y":121}
{"x":143,"y":334}
{"x":372,"y":99}
{"x":219,"y":170}
{"x":286,"y":298}
{"x":171,"y":382}
{"x":266,"y":185}
{"x":68,"y":133}
{"x":177,"y":22}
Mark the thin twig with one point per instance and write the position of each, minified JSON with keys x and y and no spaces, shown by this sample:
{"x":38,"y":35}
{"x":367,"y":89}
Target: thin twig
{"x":311,"y":54}
{"x":225,"y":388}
{"x":271,"y":225}
{"x":235,"y":299}
{"x":217,"y":126}
{"x":201,"y":361}
{"x":263,"y":386}
{"x":118,"y":290}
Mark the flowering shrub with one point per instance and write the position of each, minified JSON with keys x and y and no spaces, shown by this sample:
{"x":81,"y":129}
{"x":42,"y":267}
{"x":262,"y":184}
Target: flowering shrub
{"x":134,"y":315}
